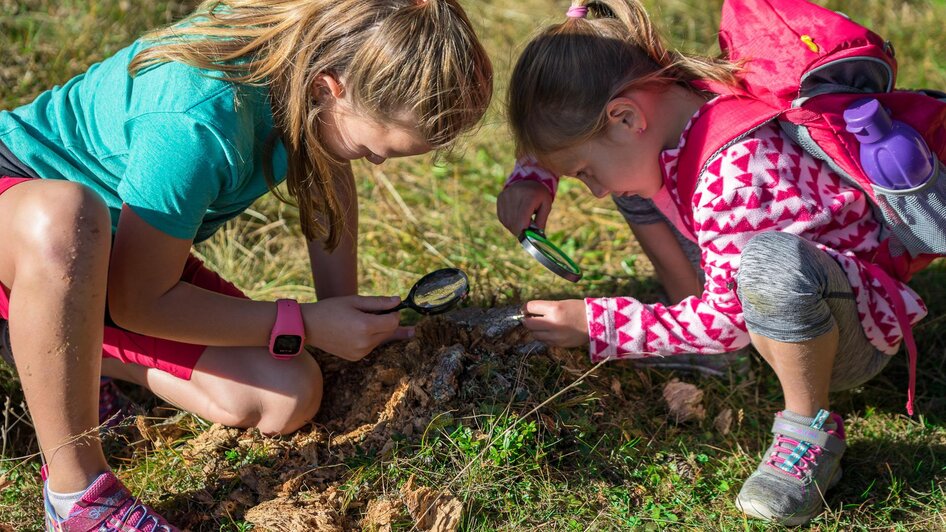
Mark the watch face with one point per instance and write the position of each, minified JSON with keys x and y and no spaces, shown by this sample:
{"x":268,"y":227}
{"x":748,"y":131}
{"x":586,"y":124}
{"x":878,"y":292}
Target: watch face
{"x":287,"y":344}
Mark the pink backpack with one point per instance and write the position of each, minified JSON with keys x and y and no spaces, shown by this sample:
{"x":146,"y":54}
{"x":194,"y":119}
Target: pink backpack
{"x":806,"y":66}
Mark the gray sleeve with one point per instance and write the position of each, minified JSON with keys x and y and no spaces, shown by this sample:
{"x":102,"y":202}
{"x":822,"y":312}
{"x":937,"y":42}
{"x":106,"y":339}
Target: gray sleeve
{"x":641,"y":211}
{"x":638,"y":211}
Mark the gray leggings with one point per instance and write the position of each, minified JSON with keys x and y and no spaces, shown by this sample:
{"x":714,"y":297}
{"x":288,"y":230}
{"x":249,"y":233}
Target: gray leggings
{"x":791,"y":291}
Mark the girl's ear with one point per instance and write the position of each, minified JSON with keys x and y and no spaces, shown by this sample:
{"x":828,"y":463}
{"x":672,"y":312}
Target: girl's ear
{"x":327,"y":86}
{"x":625,"y":114}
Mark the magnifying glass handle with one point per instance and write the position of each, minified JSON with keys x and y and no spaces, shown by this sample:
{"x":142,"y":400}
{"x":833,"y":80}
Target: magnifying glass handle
{"x":401,"y":306}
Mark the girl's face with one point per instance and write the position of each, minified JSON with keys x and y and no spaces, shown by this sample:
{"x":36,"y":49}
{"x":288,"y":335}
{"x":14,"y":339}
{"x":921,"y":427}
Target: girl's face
{"x":349,"y":135}
{"x":611,"y":166}
{"x":624,"y":159}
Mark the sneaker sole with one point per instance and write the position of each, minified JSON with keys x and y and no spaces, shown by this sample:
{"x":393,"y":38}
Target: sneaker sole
{"x":760,"y":511}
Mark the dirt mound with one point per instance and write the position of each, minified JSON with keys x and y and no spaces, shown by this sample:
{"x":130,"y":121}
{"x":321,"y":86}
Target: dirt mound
{"x":392,"y":395}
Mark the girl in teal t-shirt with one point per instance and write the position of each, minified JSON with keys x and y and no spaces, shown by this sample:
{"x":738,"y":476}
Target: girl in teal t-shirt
{"x":108,"y":180}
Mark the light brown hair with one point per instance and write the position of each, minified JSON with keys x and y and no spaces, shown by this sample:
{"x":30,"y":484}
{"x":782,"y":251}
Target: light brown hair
{"x":418,"y":56}
{"x":564,"y":79}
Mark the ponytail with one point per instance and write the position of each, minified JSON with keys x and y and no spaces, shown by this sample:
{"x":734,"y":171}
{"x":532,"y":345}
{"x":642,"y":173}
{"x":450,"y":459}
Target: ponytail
{"x":565,"y":77}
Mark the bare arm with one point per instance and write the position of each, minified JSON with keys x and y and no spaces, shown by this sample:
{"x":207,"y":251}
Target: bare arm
{"x":145,"y":293}
{"x":336,"y":274}
{"x":673,"y":268}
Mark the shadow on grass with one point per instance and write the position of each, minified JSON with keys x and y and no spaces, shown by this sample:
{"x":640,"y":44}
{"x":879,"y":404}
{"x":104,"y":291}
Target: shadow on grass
{"x":887,"y":392}
{"x":889,"y":474}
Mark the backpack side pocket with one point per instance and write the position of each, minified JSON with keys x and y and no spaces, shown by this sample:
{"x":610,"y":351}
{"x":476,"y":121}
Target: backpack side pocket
{"x":917,"y":217}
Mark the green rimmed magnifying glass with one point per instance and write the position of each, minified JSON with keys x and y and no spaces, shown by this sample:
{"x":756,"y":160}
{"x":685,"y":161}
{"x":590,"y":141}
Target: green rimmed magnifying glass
{"x":535,"y":242}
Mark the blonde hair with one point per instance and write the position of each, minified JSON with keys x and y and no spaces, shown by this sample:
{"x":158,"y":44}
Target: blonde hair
{"x":564,"y":79}
{"x":419,"y":56}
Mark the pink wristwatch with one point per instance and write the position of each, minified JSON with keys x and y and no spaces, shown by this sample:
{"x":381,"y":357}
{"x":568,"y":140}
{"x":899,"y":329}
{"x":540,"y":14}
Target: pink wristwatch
{"x":288,"y":334}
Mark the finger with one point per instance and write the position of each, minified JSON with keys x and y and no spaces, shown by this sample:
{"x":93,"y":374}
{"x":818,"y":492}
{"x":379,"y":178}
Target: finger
{"x":381,"y":326}
{"x":542,"y":214}
{"x":546,"y":337}
{"x":375,"y":303}
{"x":523,"y":220}
{"x":539,"y":307}
{"x":516,"y":215}
{"x":535,"y":325}
{"x":399,"y":335}
{"x":508,"y":217}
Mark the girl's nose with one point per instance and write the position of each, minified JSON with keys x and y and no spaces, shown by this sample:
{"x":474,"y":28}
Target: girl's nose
{"x":597,"y":190}
{"x":375,"y":159}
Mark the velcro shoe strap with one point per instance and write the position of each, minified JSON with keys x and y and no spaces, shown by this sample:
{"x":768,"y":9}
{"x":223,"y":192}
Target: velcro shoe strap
{"x":804,"y":433}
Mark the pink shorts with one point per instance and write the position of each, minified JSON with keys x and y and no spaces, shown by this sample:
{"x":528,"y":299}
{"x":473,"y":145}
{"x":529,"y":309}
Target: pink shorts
{"x":176,"y":358}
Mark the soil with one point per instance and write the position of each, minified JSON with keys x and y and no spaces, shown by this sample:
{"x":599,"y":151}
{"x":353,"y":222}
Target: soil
{"x":392,"y":395}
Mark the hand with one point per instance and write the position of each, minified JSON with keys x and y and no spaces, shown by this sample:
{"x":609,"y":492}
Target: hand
{"x":341,"y":326}
{"x":519,"y":201}
{"x":557,"y":323}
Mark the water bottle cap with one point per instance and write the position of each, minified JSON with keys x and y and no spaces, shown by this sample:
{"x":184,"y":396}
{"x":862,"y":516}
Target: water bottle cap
{"x":868,"y":120}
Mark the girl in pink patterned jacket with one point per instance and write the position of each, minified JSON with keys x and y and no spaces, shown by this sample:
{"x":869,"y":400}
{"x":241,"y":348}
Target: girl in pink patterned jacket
{"x":786,"y":246}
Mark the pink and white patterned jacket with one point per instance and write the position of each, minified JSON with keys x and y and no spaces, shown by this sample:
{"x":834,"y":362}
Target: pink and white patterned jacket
{"x":764,"y":182}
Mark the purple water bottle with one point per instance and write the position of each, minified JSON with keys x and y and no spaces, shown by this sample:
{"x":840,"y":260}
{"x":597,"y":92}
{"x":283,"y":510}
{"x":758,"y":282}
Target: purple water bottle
{"x":893,"y":154}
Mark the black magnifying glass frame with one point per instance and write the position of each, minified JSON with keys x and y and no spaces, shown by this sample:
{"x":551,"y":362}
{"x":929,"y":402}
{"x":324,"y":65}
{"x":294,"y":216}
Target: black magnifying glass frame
{"x":441,"y":279}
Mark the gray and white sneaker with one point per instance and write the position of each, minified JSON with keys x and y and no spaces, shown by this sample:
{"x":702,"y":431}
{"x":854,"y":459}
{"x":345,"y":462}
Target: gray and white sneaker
{"x":802,"y":464}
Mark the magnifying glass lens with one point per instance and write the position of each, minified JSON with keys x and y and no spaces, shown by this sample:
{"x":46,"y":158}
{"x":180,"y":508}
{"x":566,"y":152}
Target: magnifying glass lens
{"x":555,"y":254}
{"x":440,"y":291}
{"x":534,"y":241}
{"x":435,"y":293}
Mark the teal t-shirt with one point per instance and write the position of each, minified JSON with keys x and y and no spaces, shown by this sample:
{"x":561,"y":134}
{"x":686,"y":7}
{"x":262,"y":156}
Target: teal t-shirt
{"x":185,"y":151}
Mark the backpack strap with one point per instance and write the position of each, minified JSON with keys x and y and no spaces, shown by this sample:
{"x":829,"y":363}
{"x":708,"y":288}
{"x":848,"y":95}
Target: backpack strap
{"x":720,"y":123}
{"x":900,"y":311}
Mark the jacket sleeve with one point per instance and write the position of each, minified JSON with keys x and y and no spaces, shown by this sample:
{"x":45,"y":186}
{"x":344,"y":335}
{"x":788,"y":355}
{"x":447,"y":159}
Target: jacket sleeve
{"x":623,"y":327}
{"x":731,"y":213}
{"x":527,"y":169}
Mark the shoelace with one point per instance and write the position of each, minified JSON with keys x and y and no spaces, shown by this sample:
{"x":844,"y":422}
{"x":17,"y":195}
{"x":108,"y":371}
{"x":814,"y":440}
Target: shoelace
{"x":144,"y":519}
{"x":807,"y":458}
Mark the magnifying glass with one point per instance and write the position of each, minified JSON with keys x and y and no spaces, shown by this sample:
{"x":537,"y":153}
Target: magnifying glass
{"x":534,"y":241}
{"x":435,"y":293}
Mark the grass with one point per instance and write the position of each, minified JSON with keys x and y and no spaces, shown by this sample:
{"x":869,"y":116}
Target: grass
{"x":590,"y":459}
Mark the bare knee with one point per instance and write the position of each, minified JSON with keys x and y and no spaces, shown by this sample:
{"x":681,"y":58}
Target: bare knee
{"x":296,"y":399}
{"x":69,"y":233}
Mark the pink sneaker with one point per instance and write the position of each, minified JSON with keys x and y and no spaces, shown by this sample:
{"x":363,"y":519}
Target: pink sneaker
{"x":107,"y":506}
{"x":114,"y":406}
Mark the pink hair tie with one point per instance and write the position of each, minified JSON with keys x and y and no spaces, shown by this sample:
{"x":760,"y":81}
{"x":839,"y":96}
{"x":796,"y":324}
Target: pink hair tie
{"x":577,"y":12}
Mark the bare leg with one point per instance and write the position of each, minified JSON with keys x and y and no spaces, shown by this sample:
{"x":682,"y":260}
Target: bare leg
{"x":803,"y":369}
{"x":54,"y":259}
{"x":239,"y":387}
